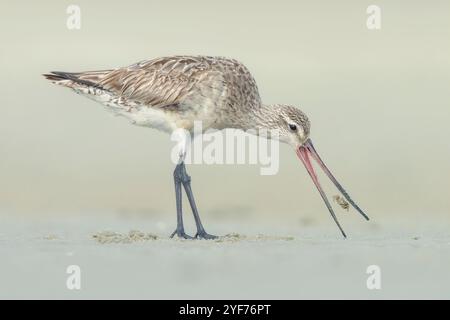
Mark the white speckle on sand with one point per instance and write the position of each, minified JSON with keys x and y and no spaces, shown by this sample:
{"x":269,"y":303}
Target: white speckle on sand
{"x":235,"y":237}
{"x":51,"y":237}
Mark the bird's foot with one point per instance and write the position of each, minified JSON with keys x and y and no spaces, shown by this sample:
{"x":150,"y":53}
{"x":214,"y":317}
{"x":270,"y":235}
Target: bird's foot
{"x":181,"y":234}
{"x":205,"y":236}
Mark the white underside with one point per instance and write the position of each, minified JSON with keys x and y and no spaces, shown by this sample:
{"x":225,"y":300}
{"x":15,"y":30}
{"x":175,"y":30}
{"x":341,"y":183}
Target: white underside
{"x":153,"y":117}
{"x":148,"y":117}
{"x":138,"y":115}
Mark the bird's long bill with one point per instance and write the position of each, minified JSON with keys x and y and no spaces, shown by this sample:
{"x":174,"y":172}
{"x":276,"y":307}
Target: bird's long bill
{"x":304,"y":152}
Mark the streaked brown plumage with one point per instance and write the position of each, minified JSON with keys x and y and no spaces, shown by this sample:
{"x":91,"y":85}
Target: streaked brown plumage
{"x":220,"y":92}
{"x":172,"y":92}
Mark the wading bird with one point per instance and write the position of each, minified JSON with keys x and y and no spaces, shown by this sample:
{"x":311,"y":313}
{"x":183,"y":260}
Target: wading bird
{"x":170,"y":93}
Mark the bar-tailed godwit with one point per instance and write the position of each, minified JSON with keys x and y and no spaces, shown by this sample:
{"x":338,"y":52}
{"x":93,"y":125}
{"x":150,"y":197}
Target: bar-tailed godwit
{"x":172,"y":92}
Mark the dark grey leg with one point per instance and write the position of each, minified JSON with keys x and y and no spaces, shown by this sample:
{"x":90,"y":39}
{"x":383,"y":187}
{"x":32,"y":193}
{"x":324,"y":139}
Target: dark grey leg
{"x":179,"y":231}
{"x":186,"y":181}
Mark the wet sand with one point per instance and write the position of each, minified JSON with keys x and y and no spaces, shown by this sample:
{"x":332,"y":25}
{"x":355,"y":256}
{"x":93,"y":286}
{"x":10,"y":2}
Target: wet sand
{"x":134,"y":258}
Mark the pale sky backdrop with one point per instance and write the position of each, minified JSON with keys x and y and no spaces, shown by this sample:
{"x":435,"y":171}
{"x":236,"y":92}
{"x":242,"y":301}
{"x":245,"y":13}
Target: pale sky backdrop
{"x":378,"y":102}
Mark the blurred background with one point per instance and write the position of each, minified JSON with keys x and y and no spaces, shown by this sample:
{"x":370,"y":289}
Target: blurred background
{"x":378,"y":101}
{"x":379,"y":105}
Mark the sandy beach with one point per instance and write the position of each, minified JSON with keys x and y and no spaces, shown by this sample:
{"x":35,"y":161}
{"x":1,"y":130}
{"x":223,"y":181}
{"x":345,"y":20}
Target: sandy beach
{"x":81,"y":190}
{"x":123,"y":257}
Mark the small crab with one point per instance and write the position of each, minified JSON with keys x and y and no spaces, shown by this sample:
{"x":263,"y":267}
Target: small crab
{"x":341,"y":201}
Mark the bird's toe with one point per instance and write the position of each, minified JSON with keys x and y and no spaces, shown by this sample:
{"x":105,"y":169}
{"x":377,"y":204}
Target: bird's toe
{"x":205,"y":236}
{"x":181,"y":235}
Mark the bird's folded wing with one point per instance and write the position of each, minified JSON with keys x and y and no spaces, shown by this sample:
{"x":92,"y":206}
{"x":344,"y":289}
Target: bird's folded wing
{"x":157,"y":83}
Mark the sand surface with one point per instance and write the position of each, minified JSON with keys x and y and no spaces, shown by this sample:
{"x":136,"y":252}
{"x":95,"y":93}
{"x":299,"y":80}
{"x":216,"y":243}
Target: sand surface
{"x":134,"y":258}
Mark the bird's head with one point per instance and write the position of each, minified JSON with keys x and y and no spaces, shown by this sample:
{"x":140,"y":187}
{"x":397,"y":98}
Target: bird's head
{"x":293,"y":125}
{"x":293,"y":128}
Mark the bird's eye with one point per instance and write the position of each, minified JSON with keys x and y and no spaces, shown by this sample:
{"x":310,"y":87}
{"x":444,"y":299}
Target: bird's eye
{"x":293,"y":127}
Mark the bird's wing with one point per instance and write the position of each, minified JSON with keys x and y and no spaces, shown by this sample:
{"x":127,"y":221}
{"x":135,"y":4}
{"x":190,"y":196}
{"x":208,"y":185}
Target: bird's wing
{"x":159,"y":82}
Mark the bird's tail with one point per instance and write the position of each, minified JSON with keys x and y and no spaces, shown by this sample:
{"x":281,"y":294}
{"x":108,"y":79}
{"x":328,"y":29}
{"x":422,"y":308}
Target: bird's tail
{"x":77,"y":80}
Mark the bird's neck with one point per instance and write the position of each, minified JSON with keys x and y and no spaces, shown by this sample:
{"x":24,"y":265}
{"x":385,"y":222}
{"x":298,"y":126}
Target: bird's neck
{"x":262,"y":117}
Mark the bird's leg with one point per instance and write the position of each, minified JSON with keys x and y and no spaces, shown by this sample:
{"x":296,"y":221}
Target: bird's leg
{"x":186,"y":180}
{"x":177,"y":176}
